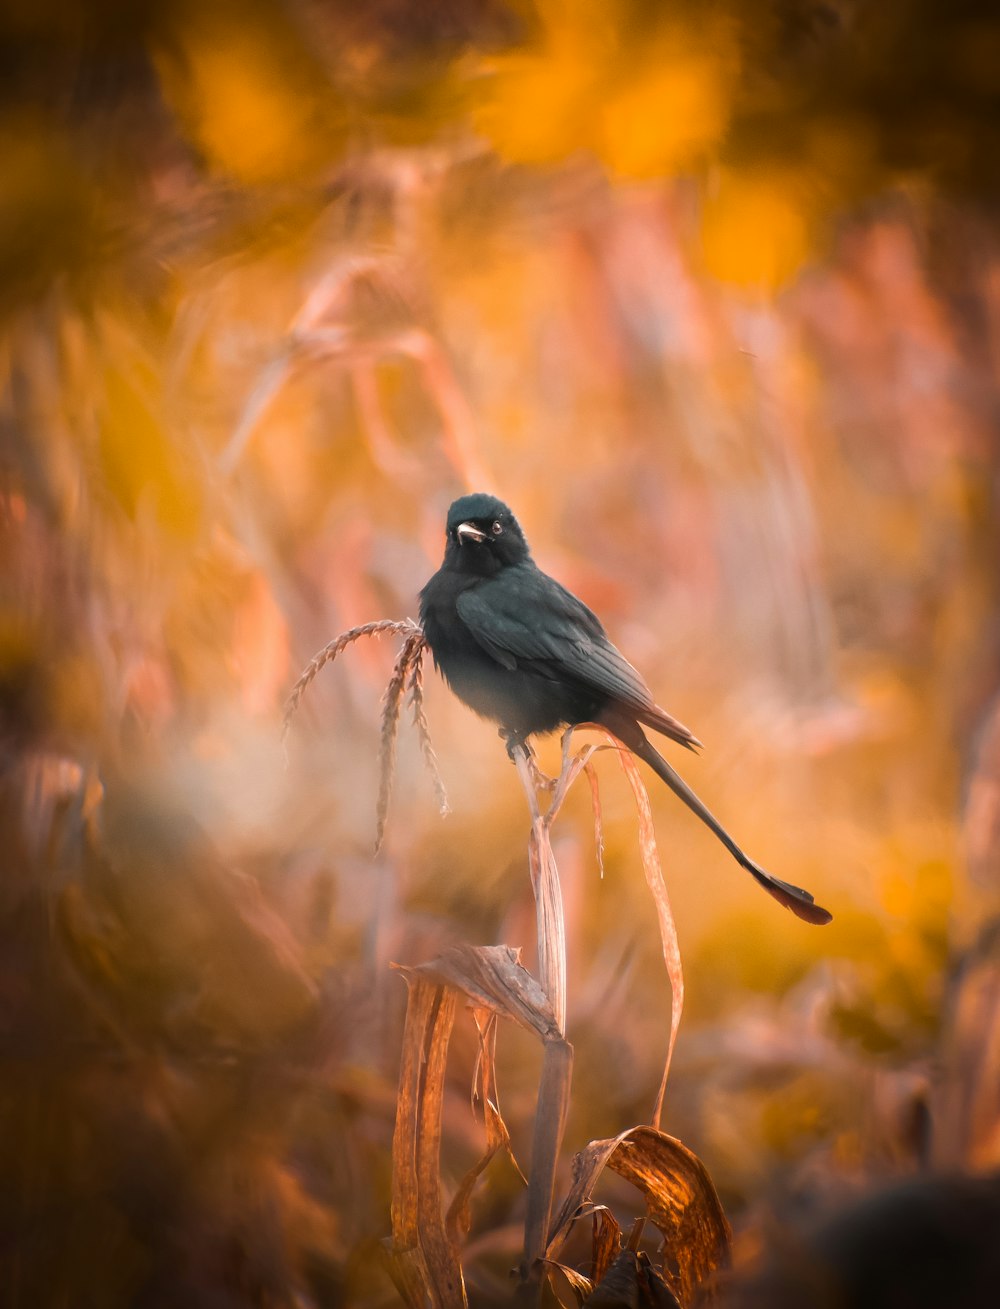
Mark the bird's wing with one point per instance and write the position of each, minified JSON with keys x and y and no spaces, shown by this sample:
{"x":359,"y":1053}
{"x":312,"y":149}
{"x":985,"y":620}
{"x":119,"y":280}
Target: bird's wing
{"x":524,"y":616}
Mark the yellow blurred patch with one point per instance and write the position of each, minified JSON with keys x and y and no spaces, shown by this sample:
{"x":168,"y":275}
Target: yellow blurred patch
{"x":541,"y":106}
{"x":138,"y":458}
{"x":755,"y":228}
{"x":243,"y":94}
{"x":667,"y":117}
{"x":647,"y":107}
{"x":894,"y":997}
{"x":802,"y":1107}
{"x":919,"y":892}
{"x":746,"y":952}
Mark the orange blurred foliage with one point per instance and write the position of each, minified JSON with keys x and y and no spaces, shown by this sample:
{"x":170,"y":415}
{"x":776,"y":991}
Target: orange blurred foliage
{"x":713,"y":300}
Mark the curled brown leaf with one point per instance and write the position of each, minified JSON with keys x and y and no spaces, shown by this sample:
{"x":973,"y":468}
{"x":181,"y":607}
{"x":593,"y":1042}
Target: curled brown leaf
{"x":680,"y":1199}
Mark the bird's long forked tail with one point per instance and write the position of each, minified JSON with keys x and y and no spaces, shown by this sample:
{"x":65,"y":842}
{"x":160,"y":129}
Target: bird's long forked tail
{"x":800,"y":902}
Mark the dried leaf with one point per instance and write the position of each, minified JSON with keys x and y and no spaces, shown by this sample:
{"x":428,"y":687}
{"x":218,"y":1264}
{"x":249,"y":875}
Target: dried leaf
{"x":424,"y":1257}
{"x":632,"y":1283}
{"x":595,"y":799}
{"x":606,"y":1240}
{"x":651,"y":867}
{"x":680,"y":1199}
{"x":492,"y":977}
{"x":459,"y":1217}
{"x":570,"y":1288}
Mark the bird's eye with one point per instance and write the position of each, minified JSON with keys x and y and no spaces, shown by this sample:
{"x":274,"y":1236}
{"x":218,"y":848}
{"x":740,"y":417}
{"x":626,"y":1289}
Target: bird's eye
{"x":497,"y":528}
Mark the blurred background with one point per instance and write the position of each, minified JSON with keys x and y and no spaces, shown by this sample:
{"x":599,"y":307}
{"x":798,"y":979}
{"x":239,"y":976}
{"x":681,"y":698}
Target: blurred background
{"x":710,"y":294}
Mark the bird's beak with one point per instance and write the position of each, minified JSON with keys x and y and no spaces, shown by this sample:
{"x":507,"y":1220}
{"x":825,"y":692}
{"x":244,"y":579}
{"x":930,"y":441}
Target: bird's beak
{"x":467,"y":530}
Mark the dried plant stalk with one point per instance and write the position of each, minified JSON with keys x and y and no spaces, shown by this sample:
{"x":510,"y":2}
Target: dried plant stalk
{"x":545,"y":880}
{"x":404,"y":627}
{"x":416,"y":689}
{"x":543,"y":868}
{"x":551,"y":928}
{"x":416,"y":1269}
{"x":391,"y":701}
{"x":550,"y":1126}
{"x":407,"y":675}
{"x":668,"y":929}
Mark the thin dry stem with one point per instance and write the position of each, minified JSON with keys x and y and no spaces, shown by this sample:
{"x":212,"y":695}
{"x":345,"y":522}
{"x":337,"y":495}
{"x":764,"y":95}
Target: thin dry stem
{"x":570,"y":771}
{"x":523,"y":763}
{"x":545,"y":875}
{"x":653,"y":870}
{"x":550,"y":924}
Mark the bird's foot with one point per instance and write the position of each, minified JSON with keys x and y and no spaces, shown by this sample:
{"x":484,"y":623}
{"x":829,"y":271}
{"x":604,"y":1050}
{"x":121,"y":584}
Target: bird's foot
{"x":514,"y":741}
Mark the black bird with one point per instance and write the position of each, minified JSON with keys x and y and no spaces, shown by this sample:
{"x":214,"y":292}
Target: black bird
{"x":521,"y":650}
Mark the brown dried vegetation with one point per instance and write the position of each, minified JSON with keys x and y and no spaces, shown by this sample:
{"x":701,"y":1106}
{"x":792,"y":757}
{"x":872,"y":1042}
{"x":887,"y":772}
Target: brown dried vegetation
{"x":425,"y":1255}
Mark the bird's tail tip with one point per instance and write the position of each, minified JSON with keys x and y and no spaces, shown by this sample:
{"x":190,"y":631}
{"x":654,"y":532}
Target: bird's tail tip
{"x":799,"y":901}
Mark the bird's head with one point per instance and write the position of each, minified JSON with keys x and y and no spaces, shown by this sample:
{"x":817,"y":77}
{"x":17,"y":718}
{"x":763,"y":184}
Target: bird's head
{"x":483,"y":536}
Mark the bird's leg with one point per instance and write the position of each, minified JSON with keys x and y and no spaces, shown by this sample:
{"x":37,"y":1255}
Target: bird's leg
{"x":515,"y":742}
